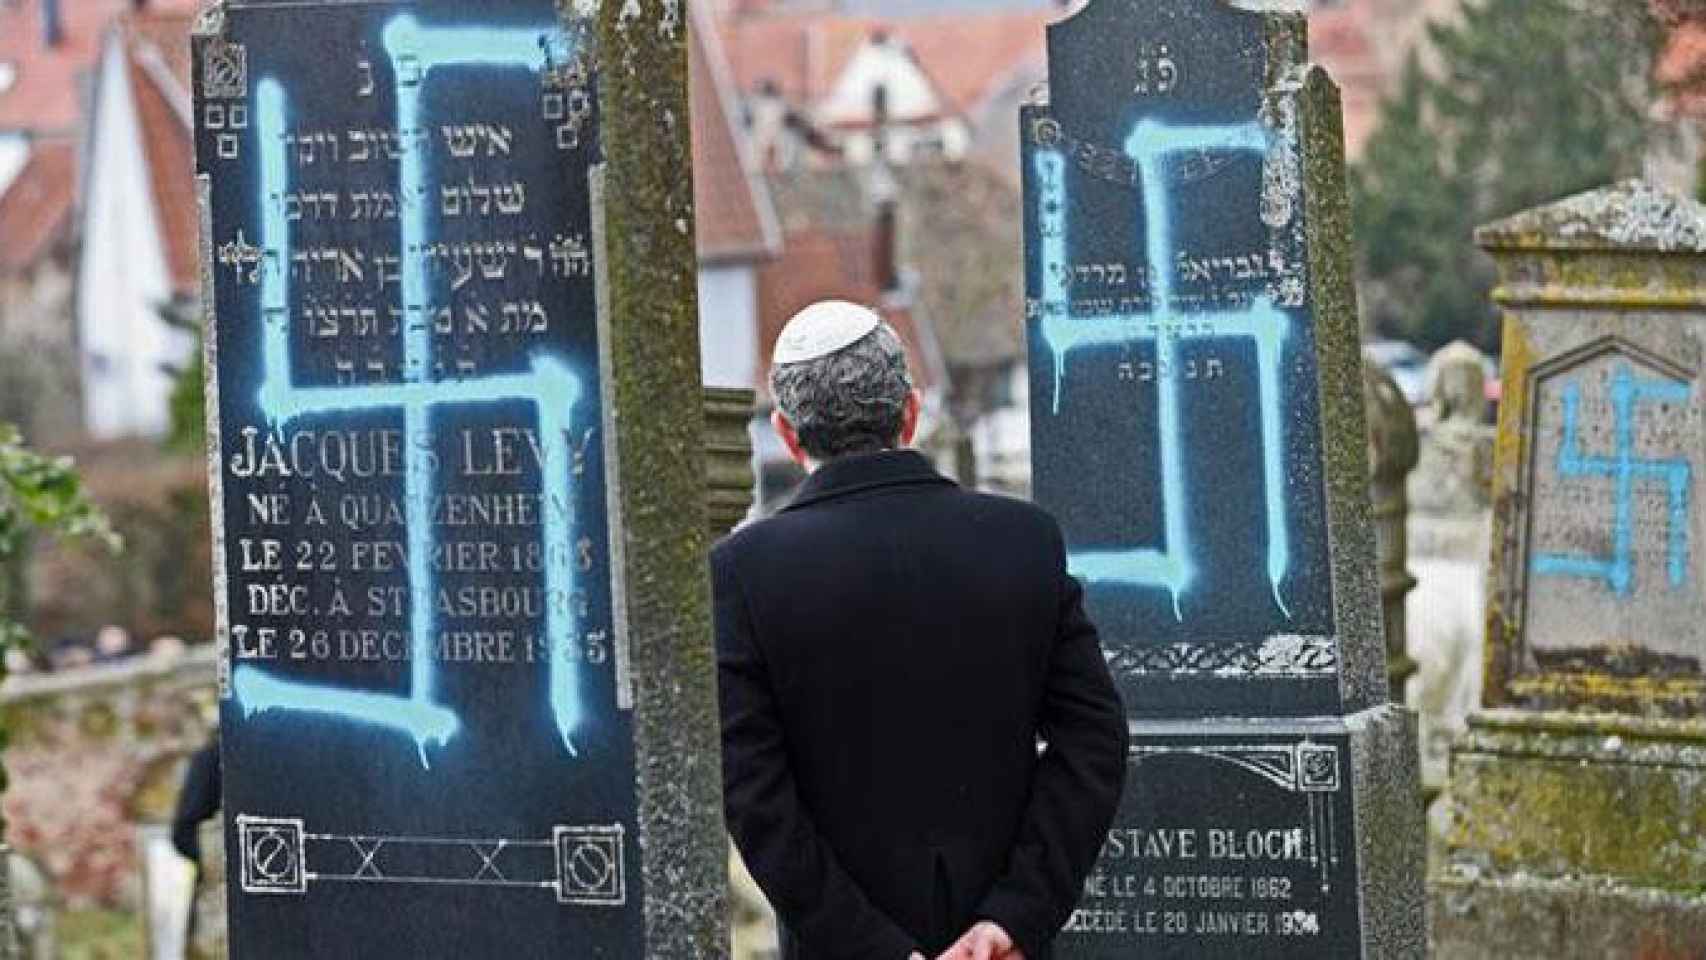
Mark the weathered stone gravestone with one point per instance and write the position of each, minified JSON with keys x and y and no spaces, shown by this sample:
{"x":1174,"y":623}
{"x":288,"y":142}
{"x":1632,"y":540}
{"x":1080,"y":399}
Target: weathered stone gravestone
{"x":1454,"y":473}
{"x":1577,"y":827}
{"x":1392,"y":454}
{"x":1198,"y":429}
{"x":1450,"y":520}
{"x":457,"y":463}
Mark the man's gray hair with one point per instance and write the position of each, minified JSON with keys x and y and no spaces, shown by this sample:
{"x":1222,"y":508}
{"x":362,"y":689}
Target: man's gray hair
{"x":852,"y":401}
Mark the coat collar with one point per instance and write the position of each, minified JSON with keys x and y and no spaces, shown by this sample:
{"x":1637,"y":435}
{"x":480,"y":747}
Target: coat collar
{"x":866,"y":471}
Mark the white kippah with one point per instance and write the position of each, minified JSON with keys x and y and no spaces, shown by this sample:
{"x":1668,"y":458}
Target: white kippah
{"x":822,"y":329}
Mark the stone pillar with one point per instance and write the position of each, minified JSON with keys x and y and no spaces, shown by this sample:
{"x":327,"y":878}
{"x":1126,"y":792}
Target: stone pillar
{"x":11,"y":948}
{"x":1392,"y":453}
{"x":1197,"y":410}
{"x":1575,"y":799}
{"x":730,"y":480}
{"x":657,"y":409}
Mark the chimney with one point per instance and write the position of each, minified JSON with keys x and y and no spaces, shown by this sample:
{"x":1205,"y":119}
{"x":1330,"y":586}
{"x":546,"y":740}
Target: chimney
{"x":887,"y":271}
{"x":52,"y":24}
{"x":885,"y":255}
{"x":880,"y":123}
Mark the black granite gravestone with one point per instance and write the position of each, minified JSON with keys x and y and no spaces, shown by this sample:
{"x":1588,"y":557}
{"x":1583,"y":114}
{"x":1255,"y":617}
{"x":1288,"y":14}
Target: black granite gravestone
{"x":1197,"y":428}
{"x":428,"y":717}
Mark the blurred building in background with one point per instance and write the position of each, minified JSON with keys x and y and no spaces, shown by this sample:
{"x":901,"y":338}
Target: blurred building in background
{"x":738,"y":229}
{"x":848,"y":106}
{"x":860,"y":127}
{"x":99,"y":227}
{"x":97,"y":210}
{"x":1679,"y":163}
{"x":138,"y":224}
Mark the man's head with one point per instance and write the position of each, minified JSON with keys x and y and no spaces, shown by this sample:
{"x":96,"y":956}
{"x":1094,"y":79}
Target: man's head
{"x":841,"y":385}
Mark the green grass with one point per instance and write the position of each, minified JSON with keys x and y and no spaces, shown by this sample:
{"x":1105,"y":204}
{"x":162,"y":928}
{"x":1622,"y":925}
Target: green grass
{"x":100,"y":935}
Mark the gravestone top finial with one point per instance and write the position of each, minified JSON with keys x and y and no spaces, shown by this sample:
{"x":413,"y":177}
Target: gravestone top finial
{"x":1633,"y":215}
{"x":1457,"y":383}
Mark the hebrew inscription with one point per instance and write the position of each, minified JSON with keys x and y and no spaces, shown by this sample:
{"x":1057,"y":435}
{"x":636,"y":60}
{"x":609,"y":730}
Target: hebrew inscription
{"x":1175,"y":424}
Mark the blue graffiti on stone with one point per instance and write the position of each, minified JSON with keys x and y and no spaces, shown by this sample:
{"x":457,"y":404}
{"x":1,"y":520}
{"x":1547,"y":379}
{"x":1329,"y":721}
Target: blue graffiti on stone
{"x":1624,"y":469}
{"x":1169,"y":566}
{"x":416,"y":52}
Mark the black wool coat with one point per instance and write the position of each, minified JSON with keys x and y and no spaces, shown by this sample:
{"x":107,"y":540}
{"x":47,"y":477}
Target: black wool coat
{"x":891,"y":650}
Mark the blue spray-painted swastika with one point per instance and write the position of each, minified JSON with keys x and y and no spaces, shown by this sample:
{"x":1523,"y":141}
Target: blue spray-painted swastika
{"x":1623,"y":469}
{"x":1169,"y":566}
{"x":416,"y":52}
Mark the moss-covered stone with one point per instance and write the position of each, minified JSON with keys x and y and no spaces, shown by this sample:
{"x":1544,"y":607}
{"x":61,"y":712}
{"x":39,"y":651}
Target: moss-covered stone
{"x":1564,"y":796}
{"x":1563,"y":919}
{"x":1620,"y":269}
{"x":656,"y":405}
{"x":728,"y":457}
{"x":1344,"y":428}
{"x":1575,"y":822}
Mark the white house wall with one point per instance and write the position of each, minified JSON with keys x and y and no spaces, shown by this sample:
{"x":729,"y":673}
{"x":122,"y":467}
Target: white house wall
{"x":728,"y":325}
{"x":910,"y":96}
{"x":124,"y":276}
{"x":14,"y":153}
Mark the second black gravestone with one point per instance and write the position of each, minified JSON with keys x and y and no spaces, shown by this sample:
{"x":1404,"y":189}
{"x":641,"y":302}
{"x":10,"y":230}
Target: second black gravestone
{"x":1197,"y":426}
{"x":437,"y":725}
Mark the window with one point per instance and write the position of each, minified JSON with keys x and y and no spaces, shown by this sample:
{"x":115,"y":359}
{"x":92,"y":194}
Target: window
{"x":8,"y":75}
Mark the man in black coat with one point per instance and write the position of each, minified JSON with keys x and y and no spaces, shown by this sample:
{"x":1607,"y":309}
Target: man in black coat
{"x":892,"y":652}
{"x":198,"y":801}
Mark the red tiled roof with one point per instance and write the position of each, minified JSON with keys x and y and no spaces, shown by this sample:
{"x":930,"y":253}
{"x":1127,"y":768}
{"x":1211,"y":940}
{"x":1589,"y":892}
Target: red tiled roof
{"x":37,"y":207}
{"x":833,"y":264}
{"x":158,"y":50}
{"x":1342,"y":40}
{"x":967,"y":55}
{"x":168,"y":35}
{"x":735,"y":217}
{"x":47,"y":95}
{"x":1681,"y":68}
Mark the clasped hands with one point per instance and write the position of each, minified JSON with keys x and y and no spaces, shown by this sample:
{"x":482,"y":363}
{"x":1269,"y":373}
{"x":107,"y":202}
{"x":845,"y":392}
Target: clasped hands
{"x":984,"y":941}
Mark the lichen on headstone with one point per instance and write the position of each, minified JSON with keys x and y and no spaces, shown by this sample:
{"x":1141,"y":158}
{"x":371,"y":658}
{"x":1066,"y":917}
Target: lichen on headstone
{"x":1630,"y":216}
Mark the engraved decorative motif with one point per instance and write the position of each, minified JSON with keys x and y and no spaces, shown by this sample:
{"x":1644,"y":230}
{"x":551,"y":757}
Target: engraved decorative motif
{"x":272,"y":855}
{"x":1305,"y":768}
{"x":1283,"y":655}
{"x":1317,"y":768}
{"x":1282,"y":179}
{"x":587,"y":861}
{"x":225,"y":71}
{"x":1299,"y":768}
{"x":1157,"y":71}
{"x":1117,"y":166}
{"x":566,"y":99}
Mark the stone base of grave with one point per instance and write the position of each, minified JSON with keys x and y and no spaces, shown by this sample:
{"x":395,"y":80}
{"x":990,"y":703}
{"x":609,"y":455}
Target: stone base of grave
{"x":1446,"y":624}
{"x":1574,"y":836}
{"x":1538,"y":919}
{"x":1273,"y":837}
